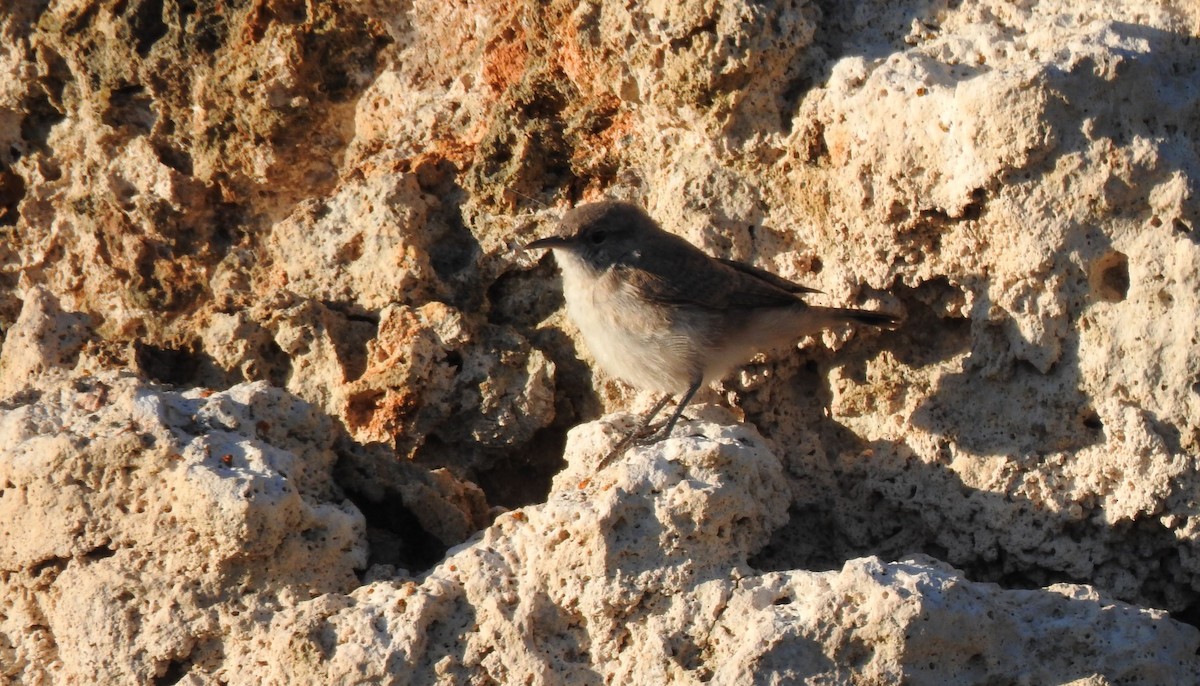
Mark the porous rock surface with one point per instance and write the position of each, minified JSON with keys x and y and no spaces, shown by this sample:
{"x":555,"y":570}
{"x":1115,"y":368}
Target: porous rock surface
{"x":282,"y":400}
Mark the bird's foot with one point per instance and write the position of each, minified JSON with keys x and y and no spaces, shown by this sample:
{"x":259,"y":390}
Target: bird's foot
{"x":618,"y":450}
{"x":641,"y":437}
{"x":654,"y":433}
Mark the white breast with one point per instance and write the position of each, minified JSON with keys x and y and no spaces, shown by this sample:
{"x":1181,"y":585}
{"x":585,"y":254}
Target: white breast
{"x":630,"y":339}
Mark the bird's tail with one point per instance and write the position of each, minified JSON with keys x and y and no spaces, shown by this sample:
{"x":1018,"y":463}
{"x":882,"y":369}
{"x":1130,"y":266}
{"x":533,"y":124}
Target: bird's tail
{"x":882,"y":320}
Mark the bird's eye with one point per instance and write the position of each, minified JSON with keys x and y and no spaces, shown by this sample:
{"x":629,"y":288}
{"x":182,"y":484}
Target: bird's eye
{"x":597,"y":237}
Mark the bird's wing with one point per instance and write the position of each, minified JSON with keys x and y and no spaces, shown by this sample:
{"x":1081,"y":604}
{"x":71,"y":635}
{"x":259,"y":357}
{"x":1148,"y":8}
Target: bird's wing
{"x":697,"y":280}
{"x":774,"y":280}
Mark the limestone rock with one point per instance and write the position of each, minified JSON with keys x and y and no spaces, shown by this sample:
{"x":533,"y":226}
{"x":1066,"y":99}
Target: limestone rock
{"x":44,"y":341}
{"x":638,"y":573}
{"x":214,"y":215}
{"x":142,"y":525}
{"x":429,"y":364}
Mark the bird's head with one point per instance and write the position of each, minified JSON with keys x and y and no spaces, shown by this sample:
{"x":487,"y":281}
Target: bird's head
{"x":603,"y":234}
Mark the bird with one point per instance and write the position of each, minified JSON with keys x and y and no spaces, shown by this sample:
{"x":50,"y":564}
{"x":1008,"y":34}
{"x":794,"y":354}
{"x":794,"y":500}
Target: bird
{"x":662,"y":315}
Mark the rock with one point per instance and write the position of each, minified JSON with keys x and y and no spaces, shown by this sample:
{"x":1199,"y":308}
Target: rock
{"x":638,"y":574}
{"x":44,"y":341}
{"x":143,"y":524}
{"x":310,"y":214}
{"x":918,"y":621}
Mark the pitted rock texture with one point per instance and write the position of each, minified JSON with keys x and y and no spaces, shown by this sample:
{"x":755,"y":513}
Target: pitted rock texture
{"x":637,"y":574}
{"x":310,"y":214}
{"x":142,"y":525}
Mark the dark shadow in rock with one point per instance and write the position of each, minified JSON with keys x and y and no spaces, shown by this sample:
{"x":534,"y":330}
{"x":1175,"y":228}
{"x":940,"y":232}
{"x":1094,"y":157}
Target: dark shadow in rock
{"x":885,"y":503}
{"x":395,"y":535}
{"x":176,"y":670}
{"x":802,"y":658}
{"x":454,"y":252}
{"x":130,"y":106}
{"x":351,"y":336}
{"x":146,"y":24}
{"x":173,"y":366}
{"x":846,"y":31}
{"x":12,"y":192}
{"x":43,"y":104}
{"x":876,"y":499}
{"x":1065,"y":419}
{"x":530,"y":144}
{"x":523,"y":477}
{"x":413,"y":515}
{"x":525,"y":298}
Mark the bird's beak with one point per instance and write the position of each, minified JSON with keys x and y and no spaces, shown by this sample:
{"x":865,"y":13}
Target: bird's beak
{"x":551,"y":242}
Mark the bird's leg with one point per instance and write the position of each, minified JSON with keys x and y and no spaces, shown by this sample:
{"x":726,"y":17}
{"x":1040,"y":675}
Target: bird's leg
{"x":621,"y":447}
{"x":645,"y":423}
{"x":637,"y":437}
{"x":666,"y":429}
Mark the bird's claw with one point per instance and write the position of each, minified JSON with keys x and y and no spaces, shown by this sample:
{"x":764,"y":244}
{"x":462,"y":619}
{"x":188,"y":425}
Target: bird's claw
{"x":640,"y":437}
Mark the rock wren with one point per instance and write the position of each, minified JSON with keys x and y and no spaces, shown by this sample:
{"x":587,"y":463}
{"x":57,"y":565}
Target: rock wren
{"x":660,"y":314}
